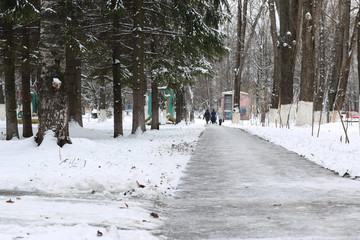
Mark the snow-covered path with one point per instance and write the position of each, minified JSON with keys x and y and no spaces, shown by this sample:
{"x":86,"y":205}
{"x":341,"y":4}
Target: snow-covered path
{"x":238,"y":186}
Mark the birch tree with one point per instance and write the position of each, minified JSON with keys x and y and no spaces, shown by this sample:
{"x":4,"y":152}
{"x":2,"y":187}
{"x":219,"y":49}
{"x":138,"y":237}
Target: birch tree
{"x":53,"y":110}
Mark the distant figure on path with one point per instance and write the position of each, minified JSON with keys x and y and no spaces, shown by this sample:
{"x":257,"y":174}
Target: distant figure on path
{"x":207,"y":116}
{"x":220,"y":116}
{"x":213,"y":116}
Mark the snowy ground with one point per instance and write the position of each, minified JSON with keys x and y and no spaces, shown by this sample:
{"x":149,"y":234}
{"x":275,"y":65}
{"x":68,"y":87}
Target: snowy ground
{"x":328,"y":150}
{"x":98,"y":183}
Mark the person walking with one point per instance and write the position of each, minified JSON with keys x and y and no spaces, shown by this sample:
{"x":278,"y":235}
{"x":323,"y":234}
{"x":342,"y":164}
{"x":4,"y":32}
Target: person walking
{"x":220,"y":116}
{"x":207,"y":116}
{"x":213,"y":116}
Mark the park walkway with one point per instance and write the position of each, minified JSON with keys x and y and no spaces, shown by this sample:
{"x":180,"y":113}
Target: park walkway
{"x":238,"y":186}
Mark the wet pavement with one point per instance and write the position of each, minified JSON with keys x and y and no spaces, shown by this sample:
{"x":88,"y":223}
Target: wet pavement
{"x":238,"y":186}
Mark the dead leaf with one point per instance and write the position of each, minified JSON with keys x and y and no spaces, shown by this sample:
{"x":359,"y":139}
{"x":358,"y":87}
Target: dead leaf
{"x":18,"y":198}
{"x":154,"y":215}
{"x":10,"y":201}
{"x":93,"y":192}
{"x":127,"y":206}
{"x":99,"y":234}
{"x":140,"y":185}
{"x":277,"y":205}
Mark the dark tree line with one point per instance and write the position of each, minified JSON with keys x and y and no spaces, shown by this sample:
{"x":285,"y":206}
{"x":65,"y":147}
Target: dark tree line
{"x":65,"y":45}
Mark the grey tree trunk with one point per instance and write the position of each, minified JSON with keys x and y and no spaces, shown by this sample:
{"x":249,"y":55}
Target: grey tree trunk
{"x":25,"y":83}
{"x":277,"y":71}
{"x":2,"y":98}
{"x":240,"y":43}
{"x":9,"y":67}
{"x":179,"y":105}
{"x":154,"y":105}
{"x":288,"y":20}
{"x":53,"y":106}
{"x":78,"y":107}
{"x":308,"y":53}
{"x":349,"y":50}
{"x":139,"y":83}
{"x":70,"y":76}
{"x":320,"y":86}
{"x":118,"y":123}
{"x":340,"y":38}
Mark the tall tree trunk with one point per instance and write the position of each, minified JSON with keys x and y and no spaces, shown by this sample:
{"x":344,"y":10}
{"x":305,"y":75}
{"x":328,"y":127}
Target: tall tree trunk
{"x":53,"y":110}
{"x":139,"y":84}
{"x":70,"y":76}
{"x":102,"y":103}
{"x":154,"y":105}
{"x":78,"y":107}
{"x":320,"y":87}
{"x":240,"y":43}
{"x":9,"y":67}
{"x":277,"y":71}
{"x":288,"y":20}
{"x":345,"y":68}
{"x":2,"y":98}
{"x":179,"y":105}
{"x":306,"y":98}
{"x":118,"y":123}
{"x":25,"y":83}
{"x":340,"y":39}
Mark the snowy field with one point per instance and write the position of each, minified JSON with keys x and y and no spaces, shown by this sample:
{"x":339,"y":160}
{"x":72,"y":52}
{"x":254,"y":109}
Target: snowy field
{"x":328,"y":150}
{"x":97,"y":186}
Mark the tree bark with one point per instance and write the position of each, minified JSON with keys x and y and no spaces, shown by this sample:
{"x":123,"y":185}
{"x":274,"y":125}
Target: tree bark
{"x":139,"y":83}
{"x":154,"y":105}
{"x":240,"y":43}
{"x":25,"y":83}
{"x":306,"y":98}
{"x":320,"y":86}
{"x":277,"y":71}
{"x":345,"y":69}
{"x":179,"y":105}
{"x":9,"y":67}
{"x":70,"y":76}
{"x":288,"y":20}
{"x":340,"y":39}
{"x":78,"y":107}
{"x":53,"y":106}
{"x":118,"y":123}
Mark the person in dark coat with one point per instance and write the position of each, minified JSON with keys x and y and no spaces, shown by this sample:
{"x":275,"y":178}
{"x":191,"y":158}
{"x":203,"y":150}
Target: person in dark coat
{"x":213,"y":116}
{"x":207,"y":116}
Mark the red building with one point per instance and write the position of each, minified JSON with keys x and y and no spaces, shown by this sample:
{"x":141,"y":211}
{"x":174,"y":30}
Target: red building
{"x":227,"y":105}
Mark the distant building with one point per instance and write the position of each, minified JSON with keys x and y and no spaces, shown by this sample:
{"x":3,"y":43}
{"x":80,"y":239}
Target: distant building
{"x":227,"y":105}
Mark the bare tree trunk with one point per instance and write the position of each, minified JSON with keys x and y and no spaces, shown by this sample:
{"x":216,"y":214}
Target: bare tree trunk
{"x":179,"y":105}
{"x":320,"y":88}
{"x":53,"y":110}
{"x":306,"y":98}
{"x":288,"y":20}
{"x":240,"y":43}
{"x":340,"y":39}
{"x":154,"y":105}
{"x":118,"y":123}
{"x":25,"y":83}
{"x":70,"y":76}
{"x":275,"y":101}
{"x":78,"y":107}
{"x":9,"y":67}
{"x":139,"y":83}
{"x":345,"y":69}
{"x":2,"y":98}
